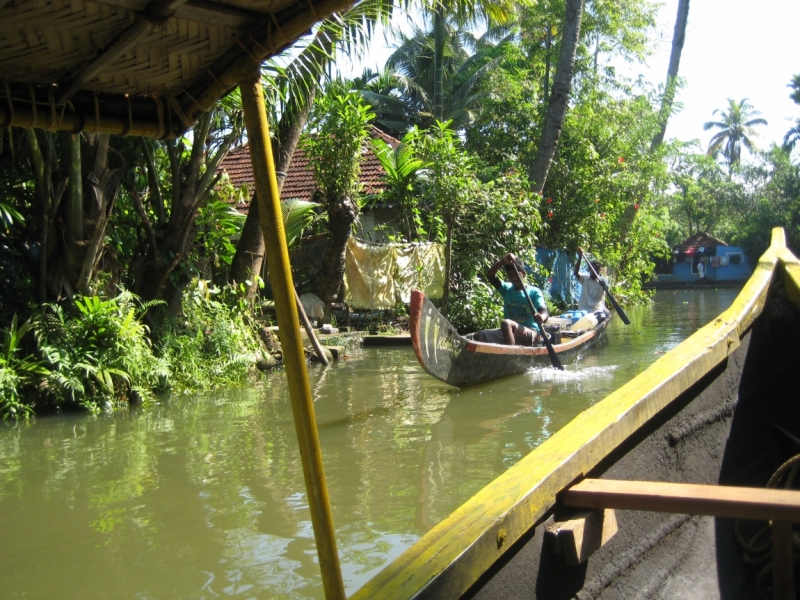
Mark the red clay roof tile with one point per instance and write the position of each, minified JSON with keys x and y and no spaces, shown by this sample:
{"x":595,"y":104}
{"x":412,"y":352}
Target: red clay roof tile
{"x":300,"y":179}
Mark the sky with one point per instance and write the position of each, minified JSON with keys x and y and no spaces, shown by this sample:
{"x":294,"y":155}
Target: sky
{"x":734,"y":49}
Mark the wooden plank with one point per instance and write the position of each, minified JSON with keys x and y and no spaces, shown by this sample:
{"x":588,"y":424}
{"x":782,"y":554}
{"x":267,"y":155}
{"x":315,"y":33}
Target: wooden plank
{"x":455,"y":553}
{"x":687,"y":498}
{"x":782,"y":561}
{"x":576,"y":538}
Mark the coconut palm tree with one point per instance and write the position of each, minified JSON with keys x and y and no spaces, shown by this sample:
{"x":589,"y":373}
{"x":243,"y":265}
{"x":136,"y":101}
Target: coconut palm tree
{"x":736,"y":130}
{"x":402,"y":95}
{"x":792,"y":137}
{"x":678,"y":38}
{"x":466,"y":12}
{"x":557,"y":102}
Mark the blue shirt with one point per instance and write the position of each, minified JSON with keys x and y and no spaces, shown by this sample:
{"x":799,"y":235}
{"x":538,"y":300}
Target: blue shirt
{"x":516,"y":307}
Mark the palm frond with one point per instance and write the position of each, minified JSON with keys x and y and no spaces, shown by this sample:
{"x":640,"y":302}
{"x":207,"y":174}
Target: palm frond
{"x":297,"y":216}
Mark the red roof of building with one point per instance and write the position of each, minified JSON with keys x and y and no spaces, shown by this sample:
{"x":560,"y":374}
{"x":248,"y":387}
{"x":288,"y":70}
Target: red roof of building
{"x":699,"y":240}
{"x":299,"y":181}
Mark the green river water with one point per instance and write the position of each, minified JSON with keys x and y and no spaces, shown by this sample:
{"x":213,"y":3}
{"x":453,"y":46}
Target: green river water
{"x":202,"y":496}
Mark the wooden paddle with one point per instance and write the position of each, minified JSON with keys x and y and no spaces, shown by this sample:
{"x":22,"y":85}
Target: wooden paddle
{"x":613,"y":300}
{"x":554,"y":360}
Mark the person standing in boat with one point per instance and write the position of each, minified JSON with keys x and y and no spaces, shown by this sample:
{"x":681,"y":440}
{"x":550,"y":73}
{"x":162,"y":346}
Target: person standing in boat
{"x":519,"y":325}
{"x":593,"y":289}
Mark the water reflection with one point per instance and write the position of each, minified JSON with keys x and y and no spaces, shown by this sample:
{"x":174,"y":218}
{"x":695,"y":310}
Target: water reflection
{"x":203,"y":496}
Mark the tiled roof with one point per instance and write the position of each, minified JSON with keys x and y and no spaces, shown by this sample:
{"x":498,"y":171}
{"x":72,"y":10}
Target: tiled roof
{"x":698,"y":240}
{"x":300,"y":179}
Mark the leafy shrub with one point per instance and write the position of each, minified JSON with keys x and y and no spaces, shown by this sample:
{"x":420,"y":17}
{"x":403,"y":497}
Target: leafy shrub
{"x":210,"y":344}
{"x":16,"y":373}
{"x":92,"y":354}
{"x":475,"y":306}
{"x":97,"y":353}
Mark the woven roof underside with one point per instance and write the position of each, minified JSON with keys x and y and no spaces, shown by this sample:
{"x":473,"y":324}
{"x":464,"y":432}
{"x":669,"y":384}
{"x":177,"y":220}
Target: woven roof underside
{"x":132,"y":60}
{"x":162,"y":61}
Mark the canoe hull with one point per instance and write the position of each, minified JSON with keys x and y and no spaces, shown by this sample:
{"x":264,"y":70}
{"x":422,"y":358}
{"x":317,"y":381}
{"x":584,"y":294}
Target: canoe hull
{"x":452,"y":358}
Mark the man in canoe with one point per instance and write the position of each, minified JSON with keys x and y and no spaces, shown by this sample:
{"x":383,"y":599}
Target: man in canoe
{"x":519,"y":325}
{"x":593,"y":289}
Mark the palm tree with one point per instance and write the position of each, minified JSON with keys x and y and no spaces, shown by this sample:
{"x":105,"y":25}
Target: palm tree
{"x":402,"y":95}
{"x":557,"y":103}
{"x":465,"y":12}
{"x":678,"y":38}
{"x":736,"y":129}
{"x":792,"y":137}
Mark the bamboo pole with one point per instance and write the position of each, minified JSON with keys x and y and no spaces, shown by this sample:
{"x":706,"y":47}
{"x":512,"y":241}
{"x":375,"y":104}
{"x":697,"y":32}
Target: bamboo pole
{"x":24,"y":116}
{"x":310,"y":331}
{"x":269,"y":209}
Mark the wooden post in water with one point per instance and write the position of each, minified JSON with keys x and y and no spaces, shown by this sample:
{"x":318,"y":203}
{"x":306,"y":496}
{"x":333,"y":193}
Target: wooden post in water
{"x":269,"y":208}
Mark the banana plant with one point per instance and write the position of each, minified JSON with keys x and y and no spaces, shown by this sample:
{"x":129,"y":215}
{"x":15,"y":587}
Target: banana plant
{"x":401,"y":166}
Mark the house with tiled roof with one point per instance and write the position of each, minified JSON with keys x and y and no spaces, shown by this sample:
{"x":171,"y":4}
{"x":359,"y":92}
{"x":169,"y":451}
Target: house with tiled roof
{"x":299,"y":182}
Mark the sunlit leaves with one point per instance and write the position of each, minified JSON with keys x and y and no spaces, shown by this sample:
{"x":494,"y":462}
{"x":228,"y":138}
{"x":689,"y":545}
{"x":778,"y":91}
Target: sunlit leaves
{"x":334,"y":145}
{"x":298,"y":215}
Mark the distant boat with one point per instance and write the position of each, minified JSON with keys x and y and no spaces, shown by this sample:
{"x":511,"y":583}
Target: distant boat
{"x":462,"y":362}
{"x":699,"y":260}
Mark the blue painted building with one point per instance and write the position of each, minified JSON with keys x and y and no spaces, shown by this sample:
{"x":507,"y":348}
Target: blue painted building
{"x":702,"y":259}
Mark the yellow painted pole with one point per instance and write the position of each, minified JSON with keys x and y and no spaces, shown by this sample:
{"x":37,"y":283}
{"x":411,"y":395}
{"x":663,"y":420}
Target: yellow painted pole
{"x":268,"y":198}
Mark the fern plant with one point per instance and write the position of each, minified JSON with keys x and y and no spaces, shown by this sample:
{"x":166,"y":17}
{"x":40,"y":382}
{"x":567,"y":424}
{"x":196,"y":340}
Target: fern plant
{"x":98,"y":354}
{"x":16,"y":373}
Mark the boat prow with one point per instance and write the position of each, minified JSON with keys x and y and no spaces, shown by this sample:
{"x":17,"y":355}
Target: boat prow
{"x":461,"y":362}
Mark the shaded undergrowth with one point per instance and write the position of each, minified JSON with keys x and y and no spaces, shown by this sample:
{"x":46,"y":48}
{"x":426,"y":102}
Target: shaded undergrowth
{"x":97,"y":353}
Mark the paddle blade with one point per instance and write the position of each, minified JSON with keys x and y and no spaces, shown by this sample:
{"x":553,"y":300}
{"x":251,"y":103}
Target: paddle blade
{"x":554,"y":360}
{"x":618,"y":308}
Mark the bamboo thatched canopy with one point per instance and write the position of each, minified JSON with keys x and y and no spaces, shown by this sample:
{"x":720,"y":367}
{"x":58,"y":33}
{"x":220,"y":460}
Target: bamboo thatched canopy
{"x":133,"y":67}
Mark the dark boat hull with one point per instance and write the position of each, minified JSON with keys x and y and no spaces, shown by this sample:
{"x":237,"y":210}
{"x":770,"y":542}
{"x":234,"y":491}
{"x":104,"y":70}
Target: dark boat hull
{"x":454,"y":359}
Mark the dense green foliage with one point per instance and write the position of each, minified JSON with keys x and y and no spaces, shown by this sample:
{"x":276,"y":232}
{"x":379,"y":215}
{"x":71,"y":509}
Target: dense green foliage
{"x":92,"y":353}
{"x":211,"y":343}
{"x":96,"y":354}
{"x":338,"y":128}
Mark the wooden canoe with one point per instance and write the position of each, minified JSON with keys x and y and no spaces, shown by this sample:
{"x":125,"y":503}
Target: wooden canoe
{"x":720,"y":410}
{"x":461,"y":362}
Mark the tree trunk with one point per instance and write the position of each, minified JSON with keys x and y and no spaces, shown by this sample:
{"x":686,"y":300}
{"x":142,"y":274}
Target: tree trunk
{"x":448,"y":263}
{"x":105,"y":192}
{"x":192,"y":182}
{"x":342,"y":213}
{"x":42,"y":195}
{"x":156,"y":199}
{"x":438,"y":63}
{"x":548,"y":44}
{"x":678,"y":38}
{"x":557,"y":107}
{"x":249,"y":256}
{"x":75,"y":204}
{"x":67,"y":257}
